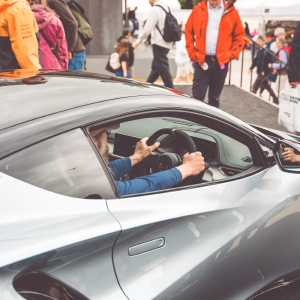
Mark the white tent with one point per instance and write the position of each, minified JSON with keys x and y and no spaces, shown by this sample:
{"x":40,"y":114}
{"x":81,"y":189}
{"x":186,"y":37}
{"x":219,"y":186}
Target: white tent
{"x":144,"y":6}
{"x":258,"y":12}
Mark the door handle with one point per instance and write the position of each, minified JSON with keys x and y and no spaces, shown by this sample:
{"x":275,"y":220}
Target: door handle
{"x":146,"y":247}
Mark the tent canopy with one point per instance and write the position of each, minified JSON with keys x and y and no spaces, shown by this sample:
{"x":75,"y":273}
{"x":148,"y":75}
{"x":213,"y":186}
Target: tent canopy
{"x":268,"y":8}
{"x":144,"y":6}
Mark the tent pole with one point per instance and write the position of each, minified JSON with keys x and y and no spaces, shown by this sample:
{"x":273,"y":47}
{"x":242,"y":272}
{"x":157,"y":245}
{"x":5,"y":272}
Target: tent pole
{"x":126,"y":15}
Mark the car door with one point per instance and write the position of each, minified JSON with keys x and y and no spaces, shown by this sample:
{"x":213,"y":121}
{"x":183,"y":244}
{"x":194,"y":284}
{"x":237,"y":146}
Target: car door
{"x":177,"y":244}
{"x":54,"y":220}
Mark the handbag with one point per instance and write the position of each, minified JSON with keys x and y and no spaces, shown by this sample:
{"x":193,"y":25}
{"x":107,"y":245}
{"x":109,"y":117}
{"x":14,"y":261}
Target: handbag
{"x":289,"y":109}
{"x":53,"y":51}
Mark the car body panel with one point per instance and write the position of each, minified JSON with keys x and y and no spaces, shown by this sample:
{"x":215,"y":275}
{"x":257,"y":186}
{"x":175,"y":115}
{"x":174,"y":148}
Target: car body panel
{"x":201,"y":226}
{"x":23,"y":135}
{"x":223,"y":240}
{"x":71,"y":232}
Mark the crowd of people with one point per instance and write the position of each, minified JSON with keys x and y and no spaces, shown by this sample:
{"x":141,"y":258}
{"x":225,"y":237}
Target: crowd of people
{"x":43,"y":34}
{"x":270,"y":69}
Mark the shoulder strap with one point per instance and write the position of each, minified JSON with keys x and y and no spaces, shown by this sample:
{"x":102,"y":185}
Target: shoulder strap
{"x":156,"y":24}
{"x":47,"y":41}
{"x":164,"y":9}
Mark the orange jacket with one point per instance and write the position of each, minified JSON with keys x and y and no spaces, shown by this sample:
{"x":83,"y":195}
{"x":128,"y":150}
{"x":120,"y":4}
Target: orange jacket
{"x":231,"y":39}
{"x":19,"y":42}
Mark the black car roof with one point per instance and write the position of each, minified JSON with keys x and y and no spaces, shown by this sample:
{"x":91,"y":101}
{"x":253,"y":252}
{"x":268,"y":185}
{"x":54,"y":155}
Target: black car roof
{"x":22,"y":102}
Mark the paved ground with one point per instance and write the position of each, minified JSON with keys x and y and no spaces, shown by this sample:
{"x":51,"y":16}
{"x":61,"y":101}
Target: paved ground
{"x":244,"y":106}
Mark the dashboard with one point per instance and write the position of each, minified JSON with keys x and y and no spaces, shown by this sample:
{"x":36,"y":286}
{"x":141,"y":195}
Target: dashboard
{"x":225,"y":155}
{"x":207,"y":148}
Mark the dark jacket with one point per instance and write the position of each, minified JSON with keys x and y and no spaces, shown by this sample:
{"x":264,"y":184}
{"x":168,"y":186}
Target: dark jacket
{"x":131,"y":52}
{"x":74,"y":41}
{"x":294,"y":60}
{"x":257,"y":62}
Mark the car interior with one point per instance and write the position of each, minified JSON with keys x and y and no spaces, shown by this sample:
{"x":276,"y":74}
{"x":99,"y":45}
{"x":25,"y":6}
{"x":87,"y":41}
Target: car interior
{"x":224,"y":156}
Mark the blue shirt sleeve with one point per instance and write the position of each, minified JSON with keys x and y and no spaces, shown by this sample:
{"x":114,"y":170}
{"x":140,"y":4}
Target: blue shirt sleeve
{"x":283,"y":58}
{"x":120,"y":167}
{"x":150,"y":183}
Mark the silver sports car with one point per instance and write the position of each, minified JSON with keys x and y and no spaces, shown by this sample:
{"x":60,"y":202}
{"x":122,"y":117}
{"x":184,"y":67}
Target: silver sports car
{"x":230,"y":232}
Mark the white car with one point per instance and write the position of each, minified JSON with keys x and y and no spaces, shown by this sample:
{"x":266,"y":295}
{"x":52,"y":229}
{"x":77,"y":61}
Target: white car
{"x":232,"y":232}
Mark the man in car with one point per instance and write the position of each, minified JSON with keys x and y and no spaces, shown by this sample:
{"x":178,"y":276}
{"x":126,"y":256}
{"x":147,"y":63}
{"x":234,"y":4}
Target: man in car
{"x":192,"y":165}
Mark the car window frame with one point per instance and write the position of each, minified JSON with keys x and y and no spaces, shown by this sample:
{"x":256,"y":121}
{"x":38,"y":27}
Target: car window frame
{"x":152,"y":113}
{"x":102,"y":165}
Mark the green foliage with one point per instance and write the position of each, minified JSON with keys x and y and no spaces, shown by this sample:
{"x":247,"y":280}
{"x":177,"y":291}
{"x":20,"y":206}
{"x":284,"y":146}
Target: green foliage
{"x":195,"y":2}
{"x":182,"y":2}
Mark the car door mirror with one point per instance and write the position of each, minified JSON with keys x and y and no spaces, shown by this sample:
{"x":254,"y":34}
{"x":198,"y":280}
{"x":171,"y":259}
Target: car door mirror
{"x":287,"y":155}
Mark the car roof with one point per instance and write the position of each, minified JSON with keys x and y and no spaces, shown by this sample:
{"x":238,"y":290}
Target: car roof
{"x":22,"y":101}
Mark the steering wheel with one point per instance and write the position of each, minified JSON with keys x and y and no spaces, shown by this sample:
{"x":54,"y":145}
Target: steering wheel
{"x":167,"y":160}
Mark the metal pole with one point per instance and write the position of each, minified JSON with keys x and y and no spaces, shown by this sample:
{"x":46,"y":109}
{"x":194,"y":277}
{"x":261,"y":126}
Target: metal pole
{"x":279,"y":81}
{"x":252,"y":58}
{"x":229,"y":73}
{"x":242,"y":67}
{"x":262,"y":68}
{"x":126,"y":15}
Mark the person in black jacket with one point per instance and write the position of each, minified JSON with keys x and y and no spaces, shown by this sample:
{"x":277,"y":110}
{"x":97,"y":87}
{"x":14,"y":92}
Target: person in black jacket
{"x":294,"y":61}
{"x":126,"y":35}
{"x":261,"y":61}
{"x":76,"y":48}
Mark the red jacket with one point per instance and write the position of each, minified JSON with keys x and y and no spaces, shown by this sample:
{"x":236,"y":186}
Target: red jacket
{"x":231,"y":39}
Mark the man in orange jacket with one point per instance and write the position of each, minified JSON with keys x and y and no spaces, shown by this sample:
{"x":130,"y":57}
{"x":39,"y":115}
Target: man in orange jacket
{"x":214,"y":36}
{"x":19,"y":37}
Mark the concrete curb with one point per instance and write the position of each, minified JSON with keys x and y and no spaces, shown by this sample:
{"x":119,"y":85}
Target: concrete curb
{"x":254,"y":95}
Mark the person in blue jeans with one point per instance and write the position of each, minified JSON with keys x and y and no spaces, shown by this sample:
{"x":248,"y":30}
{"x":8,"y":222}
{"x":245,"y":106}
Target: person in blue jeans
{"x":76,"y":48}
{"x":192,"y":165}
{"x":76,"y":63}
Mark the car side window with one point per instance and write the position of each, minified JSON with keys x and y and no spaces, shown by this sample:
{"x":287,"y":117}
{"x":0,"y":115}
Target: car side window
{"x":65,"y":164}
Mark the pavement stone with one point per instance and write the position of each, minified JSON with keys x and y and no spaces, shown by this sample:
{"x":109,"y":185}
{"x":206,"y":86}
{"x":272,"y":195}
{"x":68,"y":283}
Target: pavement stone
{"x":244,"y":106}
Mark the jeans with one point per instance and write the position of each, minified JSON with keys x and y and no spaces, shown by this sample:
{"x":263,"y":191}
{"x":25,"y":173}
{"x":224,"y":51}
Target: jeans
{"x":77,"y":62}
{"x":212,"y":78}
{"x":120,"y":74}
{"x":160,"y":66}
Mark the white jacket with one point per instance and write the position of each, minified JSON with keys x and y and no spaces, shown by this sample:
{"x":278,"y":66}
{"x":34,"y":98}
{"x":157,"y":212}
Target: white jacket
{"x":182,"y":55}
{"x":157,"y":16}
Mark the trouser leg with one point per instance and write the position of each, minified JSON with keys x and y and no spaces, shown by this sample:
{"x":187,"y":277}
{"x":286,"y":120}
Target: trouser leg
{"x":77,"y":62}
{"x":257,"y":84}
{"x":154,"y":73}
{"x":266,"y":86}
{"x":200,"y":82}
{"x":160,"y":66}
{"x":216,"y":84}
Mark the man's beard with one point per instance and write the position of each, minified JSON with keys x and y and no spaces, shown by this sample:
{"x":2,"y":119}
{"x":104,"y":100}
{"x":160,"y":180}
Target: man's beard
{"x":104,"y":149}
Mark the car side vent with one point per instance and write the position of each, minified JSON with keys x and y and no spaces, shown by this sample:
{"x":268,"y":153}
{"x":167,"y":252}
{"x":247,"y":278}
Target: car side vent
{"x":36,"y":285}
{"x":229,"y":171}
{"x":247,"y":159}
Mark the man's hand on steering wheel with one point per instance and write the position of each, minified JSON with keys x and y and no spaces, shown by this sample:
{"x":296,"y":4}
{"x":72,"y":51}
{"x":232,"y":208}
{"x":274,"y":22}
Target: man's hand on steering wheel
{"x":142,"y":151}
{"x":192,"y":165}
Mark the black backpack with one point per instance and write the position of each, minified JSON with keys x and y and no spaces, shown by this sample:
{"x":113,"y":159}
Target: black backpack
{"x":172,"y":30}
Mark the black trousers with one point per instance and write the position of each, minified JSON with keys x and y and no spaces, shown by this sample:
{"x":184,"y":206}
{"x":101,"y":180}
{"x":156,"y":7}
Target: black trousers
{"x":262,"y":81}
{"x":212,"y":78}
{"x":160,"y":66}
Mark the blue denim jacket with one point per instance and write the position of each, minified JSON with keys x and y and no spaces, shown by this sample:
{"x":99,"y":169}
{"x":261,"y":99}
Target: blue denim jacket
{"x":154,"y":182}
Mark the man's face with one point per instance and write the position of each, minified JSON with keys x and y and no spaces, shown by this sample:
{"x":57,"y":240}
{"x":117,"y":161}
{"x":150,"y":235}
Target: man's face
{"x":279,"y":45}
{"x":101,"y":143}
{"x":260,"y":42}
{"x":215,"y":3}
{"x":152,"y":2}
{"x":282,"y":34}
